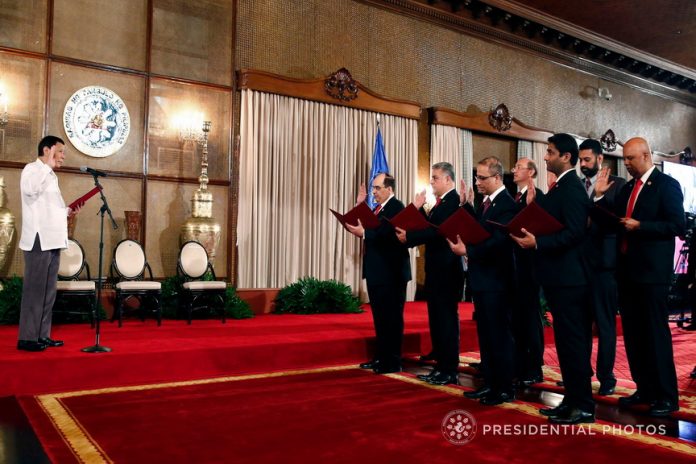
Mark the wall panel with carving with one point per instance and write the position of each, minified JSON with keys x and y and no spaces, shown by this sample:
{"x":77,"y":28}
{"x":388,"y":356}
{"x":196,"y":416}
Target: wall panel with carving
{"x":23,"y":24}
{"x":66,"y":79}
{"x":102,"y":31}
{"x":23,"y":94}
{"x":164,"y":222}
{"x":175,"y":107}
{"x":193,"y":40}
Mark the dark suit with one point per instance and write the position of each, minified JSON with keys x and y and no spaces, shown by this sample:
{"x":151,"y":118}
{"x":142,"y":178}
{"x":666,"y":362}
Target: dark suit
{"x":491,"y":276}
{"x":644,"y":272}
{"x":527,"y":324}
{"x":444,"y":278}
{"x":603,"y":290}
{"x":562,"y":271}
{"x":387,"y":270}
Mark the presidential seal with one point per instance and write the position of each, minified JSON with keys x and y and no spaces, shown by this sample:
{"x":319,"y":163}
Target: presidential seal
{"x":96,"y":121}
{"x":458,"y":427}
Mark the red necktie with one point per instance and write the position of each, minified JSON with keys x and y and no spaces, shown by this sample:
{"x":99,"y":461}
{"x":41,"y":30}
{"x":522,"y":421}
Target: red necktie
{"x":378,"y":209}
{"x":553,"y":184}
{"x":629,"y":210}
{"x":588,"y":183}
{"x":438,"y":200}
{"x":518,"y":197}
{"x":486,"y":205}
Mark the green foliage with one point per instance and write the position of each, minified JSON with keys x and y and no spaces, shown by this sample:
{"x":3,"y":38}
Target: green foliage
{"x":10,"y":300}
{"x":313,"y":296}
{"x":236,"y":308}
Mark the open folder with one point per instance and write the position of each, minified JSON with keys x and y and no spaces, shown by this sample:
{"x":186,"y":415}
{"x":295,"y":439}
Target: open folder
{"x":83,"y":199}
{"x":465,"y":225}
{"x":604,"y":217}
{"x":409,"y":219}
{"x":367,"y":217}
{"x":534,"y":219}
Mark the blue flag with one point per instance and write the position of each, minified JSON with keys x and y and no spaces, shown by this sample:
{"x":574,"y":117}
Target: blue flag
{"x":379,"y":166}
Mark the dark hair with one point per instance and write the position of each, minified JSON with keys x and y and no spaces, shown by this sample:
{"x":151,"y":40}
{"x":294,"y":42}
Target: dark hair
{"x":389,"y":181}
{"x":591,"y":144}
{"x":446,"y":168}
{"x":495,"y":166}
{"x":48,"y":142}
{"x":565,"y":143}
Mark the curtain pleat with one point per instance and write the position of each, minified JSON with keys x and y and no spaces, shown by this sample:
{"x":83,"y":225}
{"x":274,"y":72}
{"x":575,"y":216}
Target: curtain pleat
{"x":538,"y":152}
{"x":298,"y":159}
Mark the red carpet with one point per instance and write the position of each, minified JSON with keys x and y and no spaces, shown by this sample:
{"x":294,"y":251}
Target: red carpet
{"x":338,"y":416}
{"x":145,"y":353}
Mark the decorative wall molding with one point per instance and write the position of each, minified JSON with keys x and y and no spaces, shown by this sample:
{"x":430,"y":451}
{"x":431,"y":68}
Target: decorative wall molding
{"x":341,"y":85}
{"x":480,"y":122}
{"x":500,"y":118}
{"x":316,"y":90}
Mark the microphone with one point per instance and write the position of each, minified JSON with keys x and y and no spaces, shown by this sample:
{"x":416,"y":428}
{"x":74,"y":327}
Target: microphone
{"x":94,"y":172}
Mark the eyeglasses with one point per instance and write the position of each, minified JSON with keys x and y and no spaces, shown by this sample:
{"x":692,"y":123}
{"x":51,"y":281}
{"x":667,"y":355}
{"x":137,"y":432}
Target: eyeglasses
{"x":519,"y":168}
{"x":482,"y":178}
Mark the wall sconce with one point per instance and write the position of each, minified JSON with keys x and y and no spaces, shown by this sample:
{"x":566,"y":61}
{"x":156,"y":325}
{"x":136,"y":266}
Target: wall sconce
{"x":4,"y":115}
{"x":191,"y":127}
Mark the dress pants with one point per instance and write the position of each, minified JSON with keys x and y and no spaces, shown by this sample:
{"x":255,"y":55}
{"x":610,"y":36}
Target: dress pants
{"x":572,"y":327}
{"x":604,"y":296}
{"x":495,"y":339}
{"x":644,"y":317}
{"x":443,"y":298}
{"x":38,"y":292}
{"x":387,"y":302}
{"x":528,"y":331}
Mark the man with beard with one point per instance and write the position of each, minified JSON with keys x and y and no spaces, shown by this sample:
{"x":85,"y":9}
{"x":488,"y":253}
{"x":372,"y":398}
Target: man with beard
{"x":602,"y":259}
{"x":563,"y":274}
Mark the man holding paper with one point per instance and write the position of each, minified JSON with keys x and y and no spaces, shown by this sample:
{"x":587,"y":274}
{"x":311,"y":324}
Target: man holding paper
{"x":444,"y":275}
{"x":562,"y":270}
{"x":44,"y":234}
{"x":387,"y":270}
{"x":491,"y":276}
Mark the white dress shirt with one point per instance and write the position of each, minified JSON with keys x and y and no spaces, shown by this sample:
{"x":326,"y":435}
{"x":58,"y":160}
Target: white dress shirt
{"x":43,"y":209}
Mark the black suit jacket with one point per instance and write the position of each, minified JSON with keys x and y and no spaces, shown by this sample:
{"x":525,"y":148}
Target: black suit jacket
{"x":561,"y":257}
{"x":491,"y":265}
{"x":441,"y":264}
{"x":659,"y":208}
{"x":602,"y":247}
{"x":524,"y":259}
{"x":386,"y":259}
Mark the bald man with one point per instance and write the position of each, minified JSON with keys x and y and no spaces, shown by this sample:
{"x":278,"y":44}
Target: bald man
{"x":652,"y":212}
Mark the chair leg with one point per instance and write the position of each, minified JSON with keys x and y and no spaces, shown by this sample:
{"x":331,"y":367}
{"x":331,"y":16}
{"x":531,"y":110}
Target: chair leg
{"x":224,"y":308}
{"x":191,"y":299}
{"x":158,"y":300}
{"x":119,"y":310}
{"x":93,"y":311}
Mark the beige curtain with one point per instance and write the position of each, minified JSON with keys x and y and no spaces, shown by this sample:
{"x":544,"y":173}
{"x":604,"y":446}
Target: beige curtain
{"x":298,"y":159}
{"x":455,"y":146}
{"x":538,"y":152}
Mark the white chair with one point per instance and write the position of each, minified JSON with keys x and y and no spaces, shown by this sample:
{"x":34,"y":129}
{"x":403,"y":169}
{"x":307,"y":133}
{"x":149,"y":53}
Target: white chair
{"x":193,"y":264}
{"x":69,"y":286}
{"x":129,"y":264}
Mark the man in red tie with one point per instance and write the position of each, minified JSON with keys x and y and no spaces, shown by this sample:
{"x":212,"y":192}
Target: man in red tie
{"x":444,"y":276}
{"x":527,"y":325}
{"x":652,"y":211}
{"x":387,"y":270}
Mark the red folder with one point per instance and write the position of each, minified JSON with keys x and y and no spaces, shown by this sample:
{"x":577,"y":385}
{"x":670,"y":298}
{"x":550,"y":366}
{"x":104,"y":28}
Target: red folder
{"x":410,"y":219}
{"x":465,"y":225}
{"x":83,"y":199}
{"x":534,"y":219}
{"x":604,"y":217}
{"x":368,"y":218}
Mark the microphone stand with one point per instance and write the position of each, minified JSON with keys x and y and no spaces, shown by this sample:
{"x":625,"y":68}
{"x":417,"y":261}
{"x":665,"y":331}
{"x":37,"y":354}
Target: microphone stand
{"x":97,"y":348}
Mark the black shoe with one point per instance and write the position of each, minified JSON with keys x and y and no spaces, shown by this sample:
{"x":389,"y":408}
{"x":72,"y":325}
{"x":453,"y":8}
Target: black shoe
{"x":428,"y":376}
{"x":443,"y":378}
{"x":50,"y":343}
{"x":632,"y":400}
{"x":606,"y":389}
{"x":573,"y":416}
{"x":427,"y":357}
{"x":662,"y":408}
{"x":560,"y":383}
{"x":475,"y":365}
{"x":384,"y":369}
{"x":30,"y":345}
{"x":499,"y":398}
{"x":553,"y":412}
{"x":369,"y":364}
{"x":478,"y":393}
{"x":528,"y":382}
